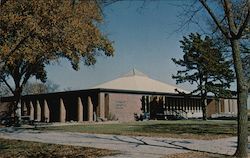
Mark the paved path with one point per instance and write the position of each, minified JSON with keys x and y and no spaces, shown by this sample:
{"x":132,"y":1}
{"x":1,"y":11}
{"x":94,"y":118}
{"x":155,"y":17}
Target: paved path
{"x":130,"y":146}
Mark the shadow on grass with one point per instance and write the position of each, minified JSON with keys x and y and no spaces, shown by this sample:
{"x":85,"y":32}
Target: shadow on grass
{"x":3,"y":147}
{"x":199,"y":129}
{"x":17,"y":130}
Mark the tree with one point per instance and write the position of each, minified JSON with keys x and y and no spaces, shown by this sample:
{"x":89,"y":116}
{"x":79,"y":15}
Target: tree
{"x":233,"y":26}
{"x":34,"y":34}
{"x":38,"y":88}
{"x":204,"y":65}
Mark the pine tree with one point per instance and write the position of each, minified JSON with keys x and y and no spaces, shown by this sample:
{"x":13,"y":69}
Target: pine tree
{"x":205,"y":66}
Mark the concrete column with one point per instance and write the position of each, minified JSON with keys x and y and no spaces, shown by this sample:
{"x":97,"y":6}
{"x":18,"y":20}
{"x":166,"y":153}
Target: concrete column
{"x":181,"y":104}
{"x":38,"y":111}
{"x":90,"y":109}
{"x":189,"y":104}
{"x":231,"y":106}
{"x":31,"y":112}
{"x":219,"y":106}
{"x":79,"y":110}
{"x":236,"y":106}
{"x":163,"y":102}
{"x":178,"y":104}
{"x":62,"y":114}
{"x":196,"y":105}
{"x":106,"y":105}
{"x":147,"y":104}
{"x":168,"y":104}
{"x":101,"y":102}
{"x":46,"y":111}
{"x":248,"y":101}
{"x":226,"y":106}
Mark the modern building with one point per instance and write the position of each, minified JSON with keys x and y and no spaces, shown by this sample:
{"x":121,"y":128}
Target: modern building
{"x":122,"y":99}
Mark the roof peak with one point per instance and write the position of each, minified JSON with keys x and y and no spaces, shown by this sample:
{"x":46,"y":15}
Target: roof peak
{"x":134,"y":72}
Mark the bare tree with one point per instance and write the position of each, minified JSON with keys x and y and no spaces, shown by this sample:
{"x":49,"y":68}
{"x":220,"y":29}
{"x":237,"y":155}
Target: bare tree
{"x":39,"y":87}
{"x":233,"y":28}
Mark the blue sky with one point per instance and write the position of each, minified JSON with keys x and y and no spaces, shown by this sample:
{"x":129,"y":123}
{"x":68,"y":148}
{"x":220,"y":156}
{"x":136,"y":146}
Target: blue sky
{"x":143,"y":38}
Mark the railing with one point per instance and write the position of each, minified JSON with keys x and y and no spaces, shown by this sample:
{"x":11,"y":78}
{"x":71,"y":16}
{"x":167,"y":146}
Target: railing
{"x":179,"y":113}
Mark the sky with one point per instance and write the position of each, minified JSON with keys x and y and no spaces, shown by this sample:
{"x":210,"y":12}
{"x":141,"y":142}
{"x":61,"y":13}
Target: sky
{"x":144,"y":38}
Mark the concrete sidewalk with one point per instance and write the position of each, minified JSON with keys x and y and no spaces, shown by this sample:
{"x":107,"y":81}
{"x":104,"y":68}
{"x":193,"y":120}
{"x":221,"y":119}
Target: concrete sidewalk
{"x":130,"y":146}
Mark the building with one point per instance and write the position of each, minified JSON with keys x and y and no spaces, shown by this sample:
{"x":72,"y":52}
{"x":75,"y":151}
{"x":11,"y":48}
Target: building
{"x":121,"y":99}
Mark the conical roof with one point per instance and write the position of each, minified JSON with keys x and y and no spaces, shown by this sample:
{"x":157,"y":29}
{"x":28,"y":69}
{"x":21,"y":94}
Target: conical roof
{"x":135,"y":80}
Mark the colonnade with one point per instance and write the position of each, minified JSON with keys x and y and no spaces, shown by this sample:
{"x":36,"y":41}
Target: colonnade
{"x":41,"y":111}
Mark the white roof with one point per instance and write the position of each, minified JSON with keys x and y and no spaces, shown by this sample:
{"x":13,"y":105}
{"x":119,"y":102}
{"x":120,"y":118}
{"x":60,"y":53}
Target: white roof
{"x":138,"y":81}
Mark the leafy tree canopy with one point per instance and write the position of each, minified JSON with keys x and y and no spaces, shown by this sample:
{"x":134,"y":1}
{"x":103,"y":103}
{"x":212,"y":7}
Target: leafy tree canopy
{"x":36,"y":33}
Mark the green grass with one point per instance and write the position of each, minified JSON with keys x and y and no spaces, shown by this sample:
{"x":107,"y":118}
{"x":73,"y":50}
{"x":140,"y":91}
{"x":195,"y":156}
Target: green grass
{"x":25,"y":149}
{"x":183,"y":129}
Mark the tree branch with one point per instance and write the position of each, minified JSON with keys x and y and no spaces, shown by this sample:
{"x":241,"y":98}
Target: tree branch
{"x":245,"y":23}
{"x":7,"y":84}
{"x":215,"y":19}
{"x":230,"y":17}
{"x":25,"y":80}
{"x":20,"y":42}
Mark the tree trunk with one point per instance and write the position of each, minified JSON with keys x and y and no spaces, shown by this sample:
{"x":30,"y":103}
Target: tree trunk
{"x":17,"y":106}
{"x":204,"y":100}
{"x":242,"y":94}
{"x":204,"y":106}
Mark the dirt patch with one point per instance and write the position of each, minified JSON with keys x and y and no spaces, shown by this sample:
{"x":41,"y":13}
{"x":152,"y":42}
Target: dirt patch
{"x":25,"y":149}
{"x":197,"y":155}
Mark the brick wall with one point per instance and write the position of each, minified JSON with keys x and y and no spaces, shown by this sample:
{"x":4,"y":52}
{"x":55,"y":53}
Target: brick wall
{"x":123,"y":106}
{"x":211,"y":107}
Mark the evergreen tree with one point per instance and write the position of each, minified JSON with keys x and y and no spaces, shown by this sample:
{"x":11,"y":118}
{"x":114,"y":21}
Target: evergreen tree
{"x":205,"y":66}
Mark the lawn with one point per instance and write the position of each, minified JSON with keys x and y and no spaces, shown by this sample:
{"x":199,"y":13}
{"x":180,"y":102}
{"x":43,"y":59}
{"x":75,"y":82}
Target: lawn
{"x":25,"y":149}
{"x":195,"y":129}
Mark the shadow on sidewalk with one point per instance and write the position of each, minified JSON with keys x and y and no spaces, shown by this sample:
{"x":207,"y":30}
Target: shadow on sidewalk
{"x":168,"y":144}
